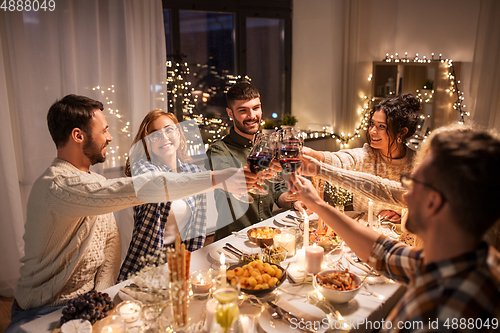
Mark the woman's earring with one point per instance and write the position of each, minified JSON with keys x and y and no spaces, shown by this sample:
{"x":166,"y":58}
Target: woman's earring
{"x":399,"y":140}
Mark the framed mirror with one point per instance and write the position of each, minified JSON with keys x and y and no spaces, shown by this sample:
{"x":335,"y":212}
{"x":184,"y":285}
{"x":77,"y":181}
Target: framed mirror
{"x":427,"y":80}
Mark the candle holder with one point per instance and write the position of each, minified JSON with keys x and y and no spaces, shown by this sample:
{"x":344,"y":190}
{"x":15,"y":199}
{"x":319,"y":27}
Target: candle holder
{"x":201,"y":283}
{"x":226,"y":316}
{"x":129,"y":311}
{"x":112,"y":324}
{"x":287,"y":239}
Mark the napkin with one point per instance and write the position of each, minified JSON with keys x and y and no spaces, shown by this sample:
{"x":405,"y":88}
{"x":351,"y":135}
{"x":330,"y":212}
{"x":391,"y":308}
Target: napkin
{"x":287,"y":306}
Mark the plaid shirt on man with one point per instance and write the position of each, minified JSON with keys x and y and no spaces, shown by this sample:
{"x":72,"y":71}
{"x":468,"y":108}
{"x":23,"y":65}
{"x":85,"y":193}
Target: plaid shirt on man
{"x":453,"y":295}
{"x":150,"y":220}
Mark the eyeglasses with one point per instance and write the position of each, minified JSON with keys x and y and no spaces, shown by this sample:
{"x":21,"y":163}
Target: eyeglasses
{"x":170,"y":132}
{"x":407,"y":183}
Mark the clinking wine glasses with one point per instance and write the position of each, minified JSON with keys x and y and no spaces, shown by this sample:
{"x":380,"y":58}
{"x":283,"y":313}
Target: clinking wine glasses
{"x":290,"y":146}
{"x":274,"y":141}
{"x":260,"y":158}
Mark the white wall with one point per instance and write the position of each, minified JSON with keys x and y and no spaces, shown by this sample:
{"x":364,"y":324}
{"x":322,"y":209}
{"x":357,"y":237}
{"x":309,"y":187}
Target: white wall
{"x":336,"y":41}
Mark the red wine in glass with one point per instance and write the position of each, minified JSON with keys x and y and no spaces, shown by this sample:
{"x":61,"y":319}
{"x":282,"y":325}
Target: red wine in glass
{"x":289,"y":152}
{"x":290,"y":164}
{"x":260,"y":161}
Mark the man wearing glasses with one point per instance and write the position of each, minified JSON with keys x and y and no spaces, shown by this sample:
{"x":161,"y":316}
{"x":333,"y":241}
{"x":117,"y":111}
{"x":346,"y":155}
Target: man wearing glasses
{"x":452,"y":199}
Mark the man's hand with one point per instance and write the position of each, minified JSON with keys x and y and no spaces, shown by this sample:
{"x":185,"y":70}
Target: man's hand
{"x":310,"y":166}
{"x":253,"y":179}
{"x":275,"y":166}
{"x":234,"y":180}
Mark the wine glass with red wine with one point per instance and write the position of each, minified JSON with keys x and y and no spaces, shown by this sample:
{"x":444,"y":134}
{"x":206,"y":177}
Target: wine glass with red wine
{"x":275,"y":147}
{"x":260,"y":158}
{"x":290,"y":154}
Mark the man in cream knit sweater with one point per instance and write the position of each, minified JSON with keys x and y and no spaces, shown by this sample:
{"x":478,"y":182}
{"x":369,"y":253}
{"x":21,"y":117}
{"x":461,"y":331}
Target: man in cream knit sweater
{"x":72,"y":243}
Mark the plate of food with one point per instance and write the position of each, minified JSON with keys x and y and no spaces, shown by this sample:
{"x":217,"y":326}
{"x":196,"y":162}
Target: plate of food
{"x":262,"y":236}
{"x":256,"y":277}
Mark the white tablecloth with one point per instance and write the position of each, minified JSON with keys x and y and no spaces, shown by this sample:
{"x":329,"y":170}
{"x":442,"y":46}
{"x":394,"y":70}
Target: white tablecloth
{"x":372,"y":305}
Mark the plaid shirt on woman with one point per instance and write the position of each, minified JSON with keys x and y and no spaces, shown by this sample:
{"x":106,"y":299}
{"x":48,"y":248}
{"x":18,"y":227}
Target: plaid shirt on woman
{"x":150,"y":220}
{"x":453,"y":295}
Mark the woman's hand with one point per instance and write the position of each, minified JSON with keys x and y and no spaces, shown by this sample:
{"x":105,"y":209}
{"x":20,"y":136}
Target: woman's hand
{"x":310,"y":166}
{"x":313,"y":153}
{"x":305,"y":190}
{"x":301,"y":206}
{"x":390,"y":215}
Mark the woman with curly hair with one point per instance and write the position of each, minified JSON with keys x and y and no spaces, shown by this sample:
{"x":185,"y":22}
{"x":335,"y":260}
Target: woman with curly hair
{"x":379,"y":163}
{"x":163,"y":149}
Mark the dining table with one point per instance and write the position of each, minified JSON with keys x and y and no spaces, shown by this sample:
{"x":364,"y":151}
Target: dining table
{"x":364,"y":313}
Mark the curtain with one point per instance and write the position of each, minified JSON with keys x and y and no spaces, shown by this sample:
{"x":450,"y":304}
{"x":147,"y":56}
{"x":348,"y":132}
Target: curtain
{"x":485,"y":80}
{"x":109,"y":50}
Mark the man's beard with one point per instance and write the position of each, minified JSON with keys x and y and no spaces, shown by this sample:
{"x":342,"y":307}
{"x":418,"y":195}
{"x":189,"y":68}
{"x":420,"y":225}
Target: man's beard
{"x":93,"y":152}
{"x":241,"y":126}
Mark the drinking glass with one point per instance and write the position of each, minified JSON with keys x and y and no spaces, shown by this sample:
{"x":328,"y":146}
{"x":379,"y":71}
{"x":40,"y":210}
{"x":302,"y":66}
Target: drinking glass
{"x":260,"y":158}
{"x":290,"y":154}
{"x":274,"y":142}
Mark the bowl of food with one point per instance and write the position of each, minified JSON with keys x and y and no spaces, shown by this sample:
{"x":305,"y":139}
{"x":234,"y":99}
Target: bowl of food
{"x":327,"y":242}
{"x":256,"y":277}
{"x":274,"y":255}
{"x":262,"y":236}
{"x":337,"y":286}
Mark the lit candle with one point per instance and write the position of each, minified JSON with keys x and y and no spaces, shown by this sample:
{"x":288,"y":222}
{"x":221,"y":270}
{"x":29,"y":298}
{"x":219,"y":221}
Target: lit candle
{"x":223,"y":280}
{"x":113,"y":328}
{"x":286,"y":241}
{"x":314,"y":258}
{"x":370,"y":213}
{"x":129,"y":311}
{"x":210,"y":308}
{"x":201,"y":285}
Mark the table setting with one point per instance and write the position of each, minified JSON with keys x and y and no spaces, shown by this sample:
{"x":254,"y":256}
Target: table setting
{"x":285,"y":295}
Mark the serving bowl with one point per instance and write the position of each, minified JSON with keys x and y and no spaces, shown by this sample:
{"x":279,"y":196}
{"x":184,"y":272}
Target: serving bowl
{"x":329,"y":243}
{"x":337,"y":296}
{"x":262,"y":242}
{"x":261,"y":292}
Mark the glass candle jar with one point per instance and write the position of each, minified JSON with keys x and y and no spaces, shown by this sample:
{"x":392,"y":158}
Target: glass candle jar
{"x":287,"y":239}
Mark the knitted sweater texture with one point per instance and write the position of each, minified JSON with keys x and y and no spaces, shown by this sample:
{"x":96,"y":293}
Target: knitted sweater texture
{"x":383,"y":186}
{"x":72,"y":243}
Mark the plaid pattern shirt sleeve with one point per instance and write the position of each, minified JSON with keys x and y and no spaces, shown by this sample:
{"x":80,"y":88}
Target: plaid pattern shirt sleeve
{"x":150,"y":219}
{"x":457,"y":294}
{"x":396,"y":260}
{"x":194,"y":234}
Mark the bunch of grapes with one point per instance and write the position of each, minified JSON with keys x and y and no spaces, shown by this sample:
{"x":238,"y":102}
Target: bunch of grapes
{"x":91,"y":306}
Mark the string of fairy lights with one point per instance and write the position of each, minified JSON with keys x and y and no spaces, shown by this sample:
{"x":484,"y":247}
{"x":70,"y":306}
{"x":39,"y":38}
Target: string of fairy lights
{"x":179,"y":89}
{"x":118,"y":122}
{"x":425,"y":96}
{"x":454,"y":82}
{"x":181,"y":94}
